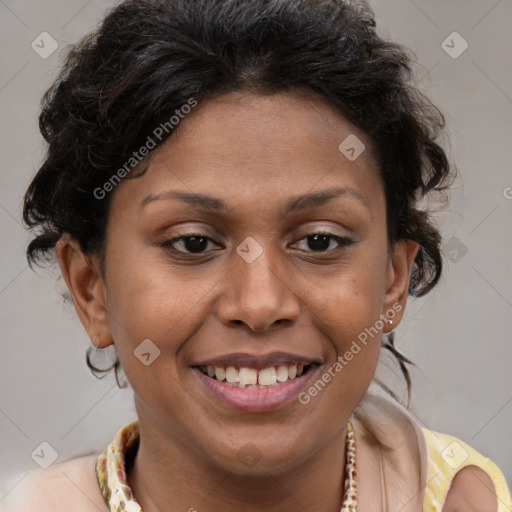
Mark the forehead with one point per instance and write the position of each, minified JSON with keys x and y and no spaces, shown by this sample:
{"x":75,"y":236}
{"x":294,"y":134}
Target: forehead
{"x":249,"y":145}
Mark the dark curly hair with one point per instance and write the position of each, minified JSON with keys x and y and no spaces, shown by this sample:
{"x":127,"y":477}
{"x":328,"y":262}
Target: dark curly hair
{"x":149,"y":57}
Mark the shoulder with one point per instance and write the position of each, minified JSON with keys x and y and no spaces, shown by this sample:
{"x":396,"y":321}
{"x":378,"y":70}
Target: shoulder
{"x":70,"y":485}
{"x":471,"y":490}
{"x":461,"y":479}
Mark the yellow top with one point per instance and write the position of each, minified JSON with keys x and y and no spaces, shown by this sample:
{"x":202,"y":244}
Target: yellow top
{"x":446,"y":455}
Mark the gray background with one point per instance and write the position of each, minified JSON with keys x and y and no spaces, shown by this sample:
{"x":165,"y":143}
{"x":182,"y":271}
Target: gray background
{"x":459,"y":336}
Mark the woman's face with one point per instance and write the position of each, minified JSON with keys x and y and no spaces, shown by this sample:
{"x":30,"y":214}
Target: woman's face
{"x":256,"y":289}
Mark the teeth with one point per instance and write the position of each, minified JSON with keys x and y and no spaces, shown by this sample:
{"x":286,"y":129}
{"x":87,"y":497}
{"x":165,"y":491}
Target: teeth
{"x":282,"y":373}
{"x":220,"y":373}
{"x":232,"y":375}
{"x":267,"y":377}
{"x":252,"y":378}
{"x":248,"y":376}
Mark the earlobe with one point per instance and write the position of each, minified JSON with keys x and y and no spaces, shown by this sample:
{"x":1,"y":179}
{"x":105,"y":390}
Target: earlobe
{"x":398,"y":277}
{"x":87,"y":288}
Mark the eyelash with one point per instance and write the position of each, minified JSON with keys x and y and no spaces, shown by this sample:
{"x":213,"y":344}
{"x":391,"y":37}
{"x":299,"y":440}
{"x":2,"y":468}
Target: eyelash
{"x":343,"y":242}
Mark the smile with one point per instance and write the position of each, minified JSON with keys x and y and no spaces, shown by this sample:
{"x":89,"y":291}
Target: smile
{"x":255,"y":385}
{"x":253,"y":378}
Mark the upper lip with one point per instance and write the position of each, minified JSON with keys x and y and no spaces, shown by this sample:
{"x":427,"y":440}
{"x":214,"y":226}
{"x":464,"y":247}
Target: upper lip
{"x":245,"y":359}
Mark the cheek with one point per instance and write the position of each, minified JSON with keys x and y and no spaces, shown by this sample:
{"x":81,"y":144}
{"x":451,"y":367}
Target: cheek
{"x":151,"y":301}
{"x":346,"y":308}
{"x":148,"y":302}
{"x":348,"y":316}
{"x":351,"y":299}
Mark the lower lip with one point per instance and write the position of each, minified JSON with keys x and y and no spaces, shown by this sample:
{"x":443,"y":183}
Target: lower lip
{"x":256,"y":400}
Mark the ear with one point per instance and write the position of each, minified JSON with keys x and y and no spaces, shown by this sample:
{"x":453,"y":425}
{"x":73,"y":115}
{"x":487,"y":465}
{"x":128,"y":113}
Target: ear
{"x":87,"y":288}
{"x":397,"y":283}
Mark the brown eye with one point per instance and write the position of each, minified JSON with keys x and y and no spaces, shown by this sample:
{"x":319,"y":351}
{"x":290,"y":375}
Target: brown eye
{"x":322,"y":242}
{"x":193,"y":244}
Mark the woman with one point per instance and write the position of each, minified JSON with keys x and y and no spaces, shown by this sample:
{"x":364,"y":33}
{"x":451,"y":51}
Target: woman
{"x":231,"y":189}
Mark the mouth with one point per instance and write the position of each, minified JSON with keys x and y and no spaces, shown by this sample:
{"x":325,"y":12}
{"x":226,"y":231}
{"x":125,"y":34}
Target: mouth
{"x":255,"y":384}
{"x":253,"y":378}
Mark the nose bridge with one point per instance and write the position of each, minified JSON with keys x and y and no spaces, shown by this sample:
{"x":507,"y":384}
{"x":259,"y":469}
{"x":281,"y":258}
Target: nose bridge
{"x":258,"y":293}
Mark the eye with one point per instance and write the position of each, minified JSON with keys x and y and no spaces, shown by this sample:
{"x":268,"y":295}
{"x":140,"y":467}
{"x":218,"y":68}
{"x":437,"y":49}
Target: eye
{"x":322,"y":242}
{"x":195,"y":243}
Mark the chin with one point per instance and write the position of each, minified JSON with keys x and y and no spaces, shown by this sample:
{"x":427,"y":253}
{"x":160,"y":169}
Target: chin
{"x":258,"y":457}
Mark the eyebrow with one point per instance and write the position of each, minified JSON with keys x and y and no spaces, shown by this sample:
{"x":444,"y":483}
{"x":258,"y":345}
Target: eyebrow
{"x":194,"y":198}
{"x":295,"y":204}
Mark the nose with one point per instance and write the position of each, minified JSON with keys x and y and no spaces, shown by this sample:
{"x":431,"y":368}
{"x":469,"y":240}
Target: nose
{"x":258,"y":295}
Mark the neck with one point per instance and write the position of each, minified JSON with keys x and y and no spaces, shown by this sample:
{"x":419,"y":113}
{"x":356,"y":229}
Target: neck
{"x":167,"y":472}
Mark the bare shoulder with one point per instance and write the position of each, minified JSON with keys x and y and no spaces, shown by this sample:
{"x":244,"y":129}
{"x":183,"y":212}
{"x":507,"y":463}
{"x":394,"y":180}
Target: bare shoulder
{"x":70,"y":485}
{"x":472,"y":490}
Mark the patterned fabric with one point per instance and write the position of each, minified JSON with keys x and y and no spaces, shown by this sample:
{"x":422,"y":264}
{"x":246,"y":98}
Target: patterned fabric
{"x":111,"y":473}
{"x":110,"y":470}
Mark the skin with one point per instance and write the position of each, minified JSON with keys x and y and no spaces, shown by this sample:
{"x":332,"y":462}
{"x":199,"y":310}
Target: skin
{"x":254,"y":153}
{"x":472,"y":490}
